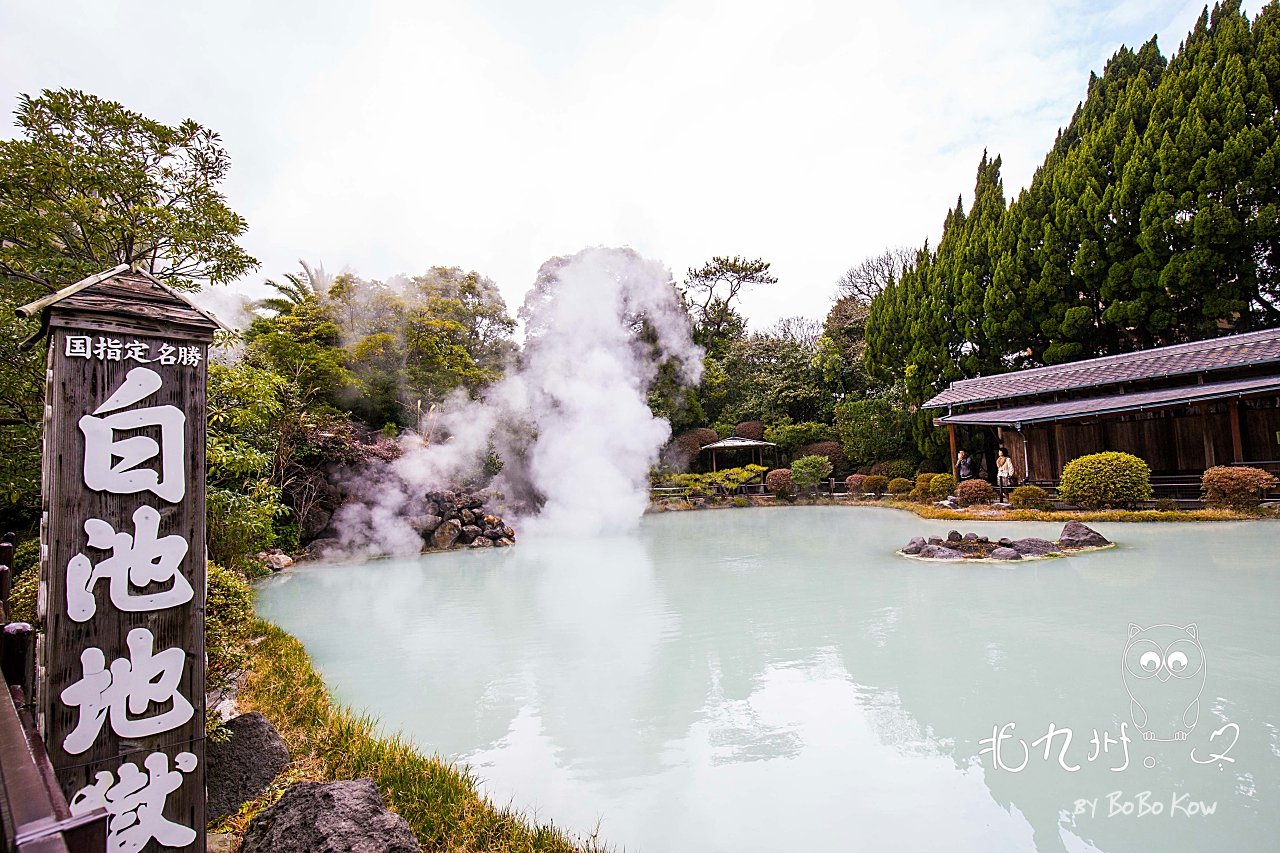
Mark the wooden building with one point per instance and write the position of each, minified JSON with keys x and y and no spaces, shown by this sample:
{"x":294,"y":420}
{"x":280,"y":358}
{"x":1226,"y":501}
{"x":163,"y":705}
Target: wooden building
{"x":1182,"y":408}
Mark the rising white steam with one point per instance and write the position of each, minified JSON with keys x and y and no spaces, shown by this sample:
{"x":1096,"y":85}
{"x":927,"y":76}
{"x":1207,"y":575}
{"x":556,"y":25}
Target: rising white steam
{"x":570,"y":420}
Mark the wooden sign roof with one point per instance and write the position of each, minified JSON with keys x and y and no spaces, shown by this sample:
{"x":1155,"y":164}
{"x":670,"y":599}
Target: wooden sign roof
{"x":124,"y":295}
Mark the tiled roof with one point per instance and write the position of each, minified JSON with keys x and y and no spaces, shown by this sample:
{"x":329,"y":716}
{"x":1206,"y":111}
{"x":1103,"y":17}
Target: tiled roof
{"x":1115,"y":403}
{"x":1196,"y":357}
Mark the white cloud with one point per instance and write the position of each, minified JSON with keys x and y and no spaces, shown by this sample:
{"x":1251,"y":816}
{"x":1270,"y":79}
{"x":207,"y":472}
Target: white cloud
{"x":492,"y":135}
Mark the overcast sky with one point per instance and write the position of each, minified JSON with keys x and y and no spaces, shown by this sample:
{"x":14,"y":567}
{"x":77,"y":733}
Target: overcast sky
{"x":388,"y":137}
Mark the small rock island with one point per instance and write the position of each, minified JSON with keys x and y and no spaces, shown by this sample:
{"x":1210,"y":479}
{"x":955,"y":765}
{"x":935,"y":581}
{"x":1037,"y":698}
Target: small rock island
{"x":1075,"y":537}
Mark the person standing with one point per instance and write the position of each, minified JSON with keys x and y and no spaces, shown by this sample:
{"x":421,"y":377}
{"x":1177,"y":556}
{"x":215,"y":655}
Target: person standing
{"x":1006,"y":477}
{"x":964,"y":466}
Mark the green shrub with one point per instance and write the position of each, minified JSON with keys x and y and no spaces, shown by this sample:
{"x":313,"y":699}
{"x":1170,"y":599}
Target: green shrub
{"x":778,"y":481}
{"x":830,"y":449}
{"x":856,"y":484}
{"x":808,"y":471}
{"x":750,"y":429}
{"x":789,"y":437}
{"x":694,"y":485}
{"x":1233,"y":487}
{"x":26,"y":557}
{"x":876,"y":484}
{"x":740,"y":501}
{"x":22,"y":598}
{"x":1166,"y":505}
{"x":227,"y":619}
{"x":894,"y":468}
{"x":972,"y":492}
{"x":920,"y":494}
{"x":1030,"y":497}
{"x":941,"y":486}
{"x":923,"y":480}
{"x":900,"y":486}
{"x":733,"y":478}
{"x":242,"y":523}
{"x":1110,"y":479}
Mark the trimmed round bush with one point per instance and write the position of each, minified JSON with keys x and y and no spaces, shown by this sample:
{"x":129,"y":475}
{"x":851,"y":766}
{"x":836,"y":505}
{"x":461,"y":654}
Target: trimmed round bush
{"x":900,"y":486}
{"x":778,"y":481}
{"x":1110,"y":479}
{"x":750,"y":429}
{"x":691,"y":441}
{"x":1166,"y":505}
{"x":920,"y":494}
{"x":855,"y":483}
{"x":876,"y":484}
{"x":972,"y":492}
{"x":941,"y":486}
{"x":923,"y":480}
{"x":1235,"y":487}
{"x":830,"y":449}
{"x":1029,"y":497}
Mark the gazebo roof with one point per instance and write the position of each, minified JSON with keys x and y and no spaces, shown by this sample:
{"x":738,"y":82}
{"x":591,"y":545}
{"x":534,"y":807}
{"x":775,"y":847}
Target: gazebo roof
{"x":735,"y":442}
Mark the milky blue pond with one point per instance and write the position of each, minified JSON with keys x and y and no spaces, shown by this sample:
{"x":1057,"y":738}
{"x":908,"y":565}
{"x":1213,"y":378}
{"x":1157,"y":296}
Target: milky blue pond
{"x":777,"y":679}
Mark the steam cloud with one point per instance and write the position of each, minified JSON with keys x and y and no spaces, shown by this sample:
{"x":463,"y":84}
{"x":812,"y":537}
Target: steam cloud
{"x":570,"y":420}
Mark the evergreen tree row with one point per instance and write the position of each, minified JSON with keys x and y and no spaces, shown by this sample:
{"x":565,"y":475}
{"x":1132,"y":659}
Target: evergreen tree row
{"x":1154,"y":219}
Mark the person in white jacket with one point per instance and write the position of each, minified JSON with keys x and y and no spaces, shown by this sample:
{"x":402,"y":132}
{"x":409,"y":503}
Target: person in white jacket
{"x":1006,"y":477}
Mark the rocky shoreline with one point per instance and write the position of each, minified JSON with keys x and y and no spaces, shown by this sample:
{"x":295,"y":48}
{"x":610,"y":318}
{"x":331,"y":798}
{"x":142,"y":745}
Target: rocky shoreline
{"x":446,"y":520}
{"x":1075,"y":538}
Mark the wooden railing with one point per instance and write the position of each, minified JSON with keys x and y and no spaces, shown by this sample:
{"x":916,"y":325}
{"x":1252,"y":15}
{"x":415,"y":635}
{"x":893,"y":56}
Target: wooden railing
{"x":34,"y":816}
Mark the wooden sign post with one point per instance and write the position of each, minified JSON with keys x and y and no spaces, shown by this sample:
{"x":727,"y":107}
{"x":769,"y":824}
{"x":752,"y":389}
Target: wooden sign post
{"x":123,"y":558}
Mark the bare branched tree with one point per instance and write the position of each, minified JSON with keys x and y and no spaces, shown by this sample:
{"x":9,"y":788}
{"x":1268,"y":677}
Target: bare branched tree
{"x":866,"y":279}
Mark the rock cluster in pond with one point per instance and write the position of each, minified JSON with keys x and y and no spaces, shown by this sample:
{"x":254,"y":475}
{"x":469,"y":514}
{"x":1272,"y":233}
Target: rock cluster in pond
{"x":331,"y":817}
{"x":241,"y":767}
{"x":444,"y":519}
{"x":276,"y":560}
{"x":458,"y":518}
{"x":970,"y":546}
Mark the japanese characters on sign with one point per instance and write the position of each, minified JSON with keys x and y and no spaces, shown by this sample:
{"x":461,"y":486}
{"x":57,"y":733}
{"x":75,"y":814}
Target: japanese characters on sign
{"x":119,"y":349}
{"x":124,"y":573}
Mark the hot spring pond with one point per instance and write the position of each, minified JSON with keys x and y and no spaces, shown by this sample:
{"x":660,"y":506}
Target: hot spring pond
{"x":770,"y":680}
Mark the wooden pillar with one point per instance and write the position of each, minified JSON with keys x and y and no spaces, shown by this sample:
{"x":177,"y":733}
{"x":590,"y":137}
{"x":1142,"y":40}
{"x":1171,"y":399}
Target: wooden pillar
{"x":951,"y":434}
{"x":1207,"y":436}
{"x":1059,"y":449}
{"x":1237,"y":444}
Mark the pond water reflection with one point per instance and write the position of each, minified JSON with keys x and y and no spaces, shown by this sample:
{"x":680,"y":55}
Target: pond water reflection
{"x":777,"y":679}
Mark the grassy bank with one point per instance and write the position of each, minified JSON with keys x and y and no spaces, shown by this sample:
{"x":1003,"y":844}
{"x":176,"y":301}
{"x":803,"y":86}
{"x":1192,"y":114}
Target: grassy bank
{"x":987,"y":513}
{"x":328,"y":742}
